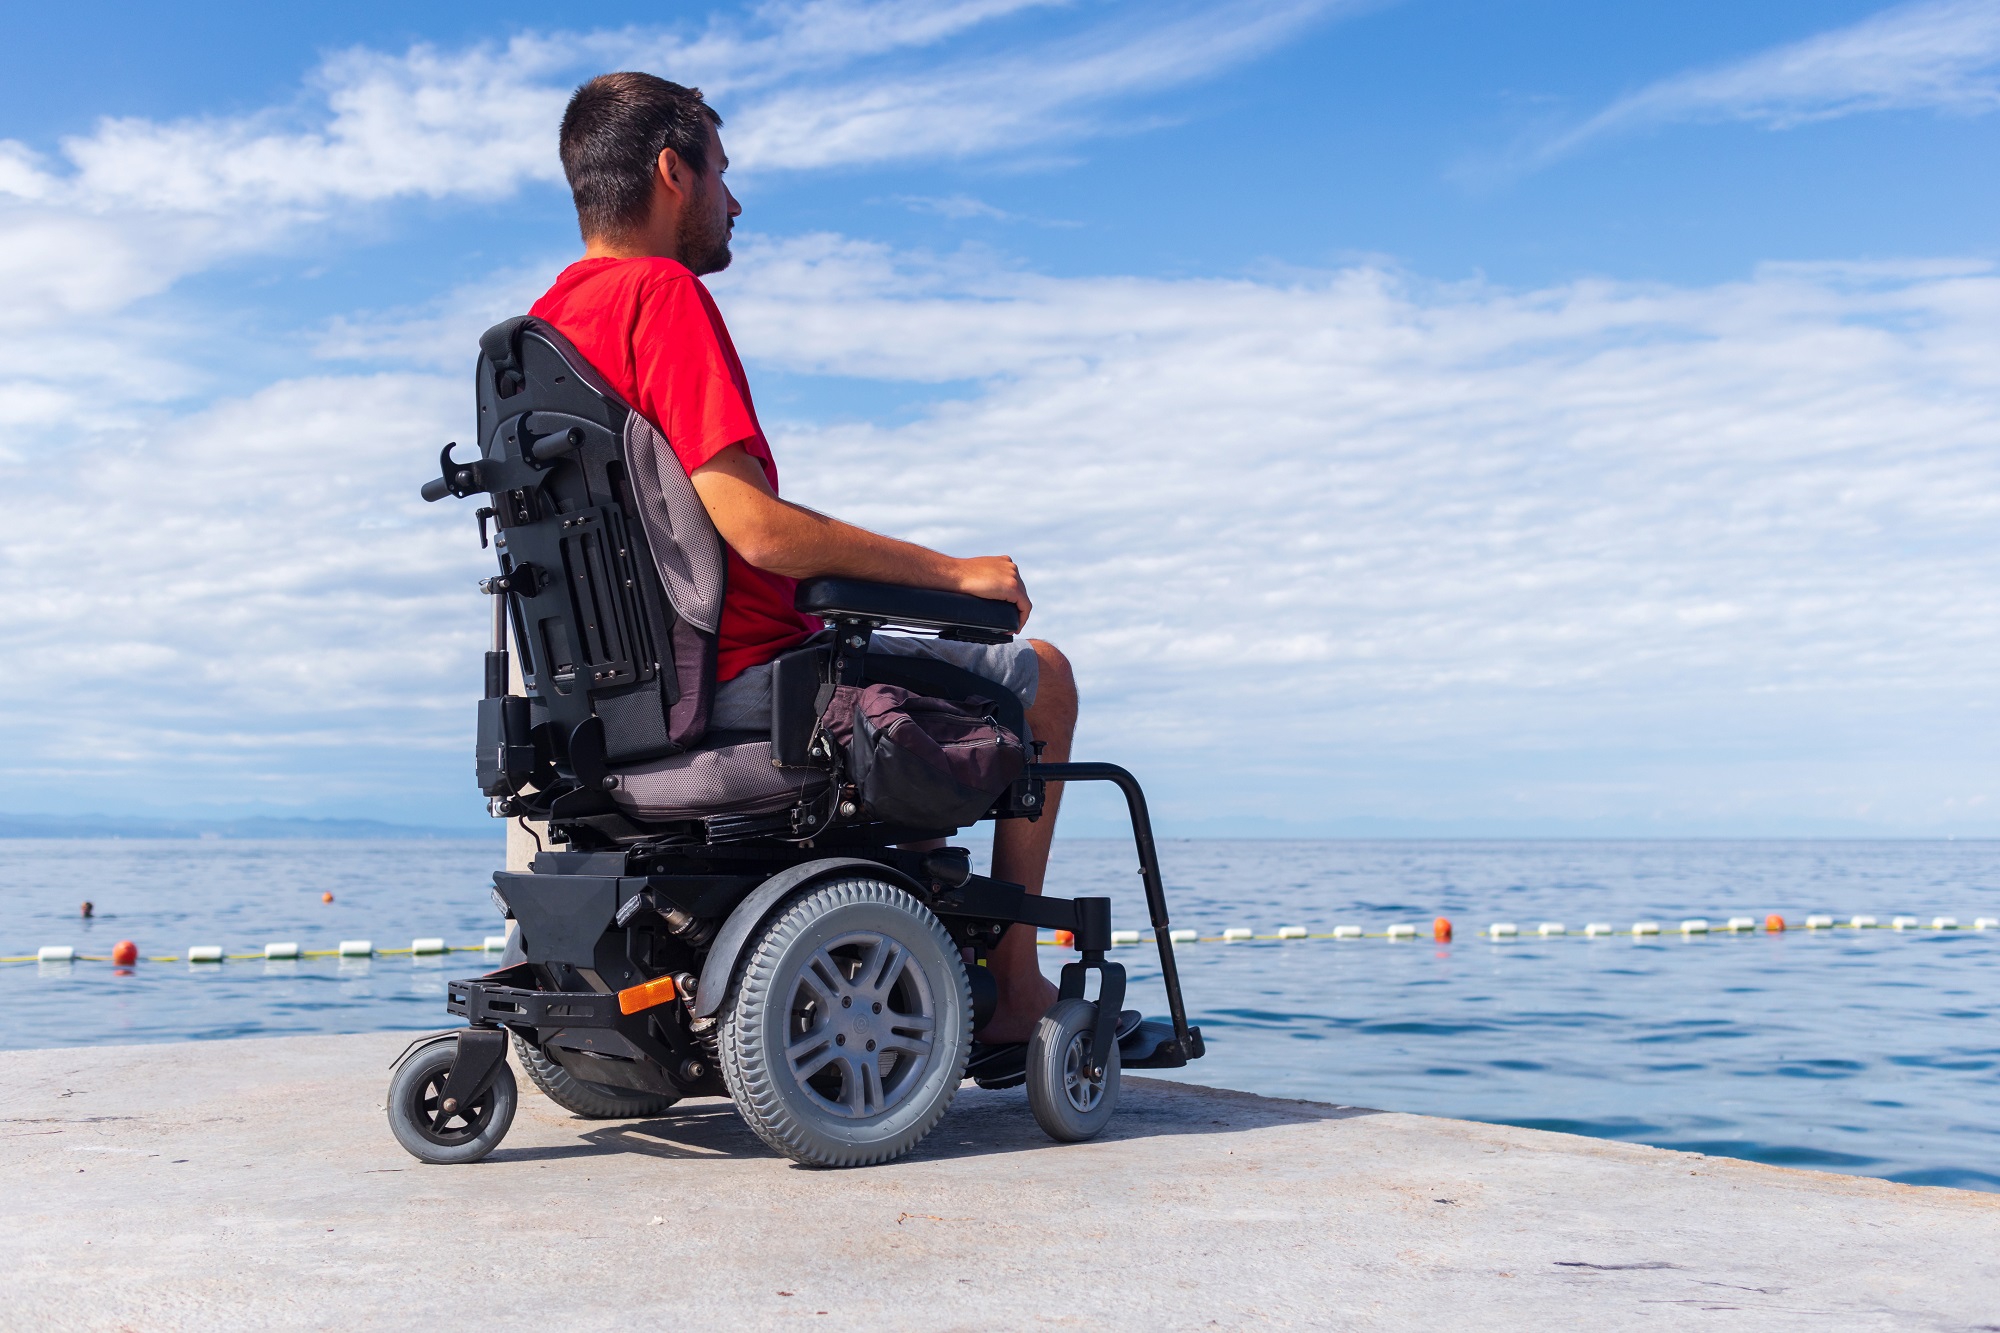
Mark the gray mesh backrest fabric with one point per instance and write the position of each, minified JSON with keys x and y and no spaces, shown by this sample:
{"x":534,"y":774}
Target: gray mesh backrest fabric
{"x":685,"y":544}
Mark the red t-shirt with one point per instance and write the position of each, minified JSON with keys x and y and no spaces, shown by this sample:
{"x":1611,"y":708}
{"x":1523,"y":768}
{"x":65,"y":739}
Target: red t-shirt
{"x":652,"y":331}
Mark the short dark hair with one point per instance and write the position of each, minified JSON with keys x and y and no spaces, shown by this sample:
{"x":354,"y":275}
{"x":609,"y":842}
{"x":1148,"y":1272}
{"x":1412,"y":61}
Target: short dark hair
{"x":613,"y":132}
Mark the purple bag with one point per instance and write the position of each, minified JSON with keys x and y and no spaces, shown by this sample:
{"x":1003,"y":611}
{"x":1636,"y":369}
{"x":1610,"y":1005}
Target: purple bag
{"x":922,"y":762}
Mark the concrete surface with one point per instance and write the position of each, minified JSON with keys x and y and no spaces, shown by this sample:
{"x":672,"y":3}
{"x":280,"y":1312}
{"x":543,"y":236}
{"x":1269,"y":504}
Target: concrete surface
{"x":253,"y":1184}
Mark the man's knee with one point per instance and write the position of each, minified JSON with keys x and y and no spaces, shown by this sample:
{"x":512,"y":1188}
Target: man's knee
{"x":1055,"y":685}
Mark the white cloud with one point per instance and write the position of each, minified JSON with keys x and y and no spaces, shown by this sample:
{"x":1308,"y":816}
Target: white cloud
{"x":958,"y":207}
{"x":1361,"y":515}
{"x":1001,"y":101}
{"x":136,"y":205}
{"x":1364,"y":543}
{"x":1938,"y":54}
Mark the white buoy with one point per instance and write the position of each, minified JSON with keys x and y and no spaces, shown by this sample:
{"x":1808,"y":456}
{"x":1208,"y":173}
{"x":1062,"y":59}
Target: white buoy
{"x":1819,"y":922}
{"x":495,"y":943}
{"x":1347,"y":932}
{"x":1944,"y":923}
{"x":427,"y":945}
{"x":1741,"y":923}
{"x":1645,"y":927}
{"x":56,"y":953}
{"x":1234,"y":933}
{"x":1862,"y":922}
{"x":1124,"y":937}
{"x":356,"y":949}
{"x":1501,"y":930}
{"x":1402,"y":932}
{"x":1695,"y":926}
{"x":1903,"y":923}
{"x":205,"y":953}
{"x":1291,"y":932}
{"x":1598,"y":928}
{"x":1183,"y":936}
{"x":282,"y":949}
{"x":1986,"y":923}
{"x":1552,"y":928}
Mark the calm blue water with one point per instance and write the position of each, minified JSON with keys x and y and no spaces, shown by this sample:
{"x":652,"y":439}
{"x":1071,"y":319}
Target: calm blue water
{"x":1876,"y":1053}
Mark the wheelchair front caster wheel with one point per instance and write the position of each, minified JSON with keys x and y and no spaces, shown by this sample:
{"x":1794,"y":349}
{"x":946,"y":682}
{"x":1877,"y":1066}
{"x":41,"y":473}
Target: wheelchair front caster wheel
{"x":1071,"y":1100}
{"x":447,"y":1138}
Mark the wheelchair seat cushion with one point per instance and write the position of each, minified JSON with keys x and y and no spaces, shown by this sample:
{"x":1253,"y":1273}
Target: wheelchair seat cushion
{"x":734,"y":777}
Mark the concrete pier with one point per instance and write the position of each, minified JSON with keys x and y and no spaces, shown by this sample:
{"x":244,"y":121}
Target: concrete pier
{"x":253,"y":1184}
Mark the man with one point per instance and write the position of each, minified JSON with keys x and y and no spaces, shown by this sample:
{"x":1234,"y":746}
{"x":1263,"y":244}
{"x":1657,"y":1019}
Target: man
{"x":645,"y":163}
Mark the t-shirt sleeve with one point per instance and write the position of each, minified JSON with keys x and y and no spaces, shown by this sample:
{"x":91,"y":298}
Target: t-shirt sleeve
{"x":684,"y":373}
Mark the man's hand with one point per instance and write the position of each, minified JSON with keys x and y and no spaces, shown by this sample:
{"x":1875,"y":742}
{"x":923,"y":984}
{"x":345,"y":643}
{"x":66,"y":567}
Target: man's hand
{"x":995,"y":577}
{"x":784,"y":538}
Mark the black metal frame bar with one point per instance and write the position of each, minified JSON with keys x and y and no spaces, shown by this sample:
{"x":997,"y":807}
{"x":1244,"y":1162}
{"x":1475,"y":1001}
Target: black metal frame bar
{"x":1187,"y":1039}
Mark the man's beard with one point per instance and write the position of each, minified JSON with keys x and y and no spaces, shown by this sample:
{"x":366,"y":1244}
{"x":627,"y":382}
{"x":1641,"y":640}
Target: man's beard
{"x":704,"y":247}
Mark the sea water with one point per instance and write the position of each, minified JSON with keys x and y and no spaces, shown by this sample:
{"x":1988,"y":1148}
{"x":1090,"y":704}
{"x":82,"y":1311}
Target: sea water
{"x":1874,"y":1052}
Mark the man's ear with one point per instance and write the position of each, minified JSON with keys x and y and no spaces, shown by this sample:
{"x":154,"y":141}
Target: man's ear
{"x":673,"y":171}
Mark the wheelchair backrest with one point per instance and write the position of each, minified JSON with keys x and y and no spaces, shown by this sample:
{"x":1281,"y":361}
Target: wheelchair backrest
{"x":614,"y":573}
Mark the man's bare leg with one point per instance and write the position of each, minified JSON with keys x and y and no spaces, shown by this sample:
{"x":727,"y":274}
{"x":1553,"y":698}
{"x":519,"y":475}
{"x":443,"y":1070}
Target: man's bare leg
{"x":1021,"y":856}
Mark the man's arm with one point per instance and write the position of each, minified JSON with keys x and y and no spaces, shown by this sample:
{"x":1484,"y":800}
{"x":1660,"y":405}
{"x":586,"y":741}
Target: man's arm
{"x":776,"y":535}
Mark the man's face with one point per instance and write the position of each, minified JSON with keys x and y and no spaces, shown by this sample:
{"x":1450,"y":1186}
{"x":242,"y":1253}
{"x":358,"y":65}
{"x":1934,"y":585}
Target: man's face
{"x":710,"y":215}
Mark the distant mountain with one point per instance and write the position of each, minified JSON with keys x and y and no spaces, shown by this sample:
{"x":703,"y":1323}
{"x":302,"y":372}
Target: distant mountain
{"x":259,"y":826}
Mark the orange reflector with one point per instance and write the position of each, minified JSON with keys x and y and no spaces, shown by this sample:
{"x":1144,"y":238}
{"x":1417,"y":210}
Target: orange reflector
{"x":645,"y":995}
{"x":1441,"y":930}
{"x":1065,"y":939}
{"x":1774,"y":923}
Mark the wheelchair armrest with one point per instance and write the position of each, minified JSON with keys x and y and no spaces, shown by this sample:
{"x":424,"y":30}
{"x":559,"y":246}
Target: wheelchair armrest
{"x":953,"y":614}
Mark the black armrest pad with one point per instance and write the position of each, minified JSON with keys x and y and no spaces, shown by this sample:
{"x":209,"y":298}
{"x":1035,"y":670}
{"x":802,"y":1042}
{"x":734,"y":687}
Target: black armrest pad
{"x":920,"y":608}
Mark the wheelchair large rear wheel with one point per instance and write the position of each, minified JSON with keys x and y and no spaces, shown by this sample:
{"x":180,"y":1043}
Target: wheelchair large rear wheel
{"x":846,"y":1035}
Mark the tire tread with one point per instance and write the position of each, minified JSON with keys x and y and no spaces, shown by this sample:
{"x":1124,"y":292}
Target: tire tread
{"x":746,"y":1068}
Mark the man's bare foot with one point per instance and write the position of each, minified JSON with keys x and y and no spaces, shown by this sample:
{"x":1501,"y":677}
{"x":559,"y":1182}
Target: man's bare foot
{"x":1020,"y":1008}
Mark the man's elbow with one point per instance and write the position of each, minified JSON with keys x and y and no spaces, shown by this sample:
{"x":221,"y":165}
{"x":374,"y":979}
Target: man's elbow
{"x":760,"y":547}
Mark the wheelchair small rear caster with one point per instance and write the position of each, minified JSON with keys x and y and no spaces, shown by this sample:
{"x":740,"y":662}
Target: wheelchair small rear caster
{"x":453,"y":1136}
{"x":1070,"y":1102}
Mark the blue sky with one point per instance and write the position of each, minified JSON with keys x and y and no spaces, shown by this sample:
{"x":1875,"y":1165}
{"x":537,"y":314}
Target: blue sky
{"x":1425,"y":417}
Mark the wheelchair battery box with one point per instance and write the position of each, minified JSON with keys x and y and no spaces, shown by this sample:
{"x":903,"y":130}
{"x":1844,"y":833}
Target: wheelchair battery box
{"x":484,"y":1002}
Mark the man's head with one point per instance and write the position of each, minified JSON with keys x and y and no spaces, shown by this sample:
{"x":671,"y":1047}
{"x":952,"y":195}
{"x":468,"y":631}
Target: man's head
{"x":645,"y":166}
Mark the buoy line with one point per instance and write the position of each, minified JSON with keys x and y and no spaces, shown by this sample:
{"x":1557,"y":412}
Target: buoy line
{"x":126,"y":954}
{"x":1441,"y":930}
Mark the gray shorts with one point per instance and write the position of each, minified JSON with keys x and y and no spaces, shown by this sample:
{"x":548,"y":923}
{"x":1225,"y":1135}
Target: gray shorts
{"x":744,"y":704}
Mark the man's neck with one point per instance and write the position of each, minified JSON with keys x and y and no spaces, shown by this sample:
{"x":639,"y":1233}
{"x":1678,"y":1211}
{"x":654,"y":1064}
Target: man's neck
{"x":630,"y":247}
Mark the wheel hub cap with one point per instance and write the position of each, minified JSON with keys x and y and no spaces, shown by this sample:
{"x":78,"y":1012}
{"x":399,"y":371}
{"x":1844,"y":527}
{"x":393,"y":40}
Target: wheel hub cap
{"x":1083,"y":1085}
{"x":863,"y":1023}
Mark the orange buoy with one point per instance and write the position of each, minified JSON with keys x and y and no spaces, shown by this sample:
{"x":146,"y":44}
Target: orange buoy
{"x":1774,"y":923}
{"x":1065,"y":939}
{"x":326,"y":897}
{"x":124,"y":953}
{"x":1441,"y":930}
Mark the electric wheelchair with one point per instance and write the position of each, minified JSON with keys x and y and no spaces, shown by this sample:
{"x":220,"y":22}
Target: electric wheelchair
{"x":721,"y":913}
